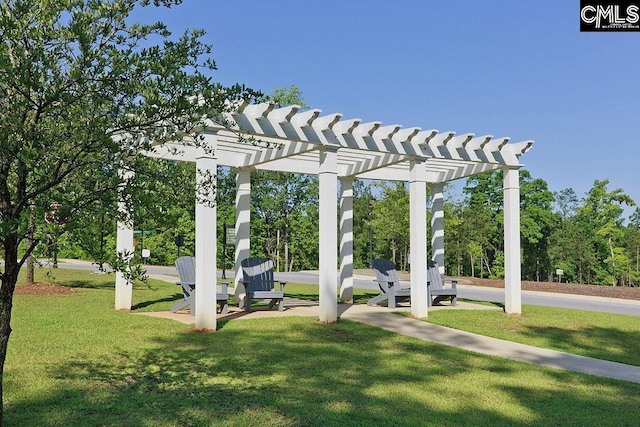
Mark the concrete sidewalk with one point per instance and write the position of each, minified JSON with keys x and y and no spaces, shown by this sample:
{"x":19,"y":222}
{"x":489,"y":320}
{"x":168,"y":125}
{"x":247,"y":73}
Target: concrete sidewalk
{"x":493,"y":346}
{"x":387,"y":319}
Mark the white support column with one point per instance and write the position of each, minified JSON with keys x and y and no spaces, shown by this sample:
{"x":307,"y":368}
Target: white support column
{"x":437,"y":226}
{"x":418,"y":240}
{"x":124,"y":244}
{"x":243,"y":229}
{"x":346,"y":240}
{"x":206,"y":247}
{"x":512,"y":279}
{"x":328,"y":286}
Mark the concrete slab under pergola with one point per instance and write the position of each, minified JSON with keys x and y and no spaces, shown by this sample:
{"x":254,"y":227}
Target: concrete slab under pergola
{"x":338,"y":151}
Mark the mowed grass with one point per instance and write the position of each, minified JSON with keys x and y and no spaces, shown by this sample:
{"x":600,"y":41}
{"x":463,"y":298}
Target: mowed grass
{"x":600,"y":335}
{"x":75,"y":361}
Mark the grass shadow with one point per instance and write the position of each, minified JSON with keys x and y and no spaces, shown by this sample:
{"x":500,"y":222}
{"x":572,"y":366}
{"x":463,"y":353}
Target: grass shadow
{"x":480,"y":302}
{"x":613,"y":344}
{"x":298,"y":372}
{"x":151,"y":302}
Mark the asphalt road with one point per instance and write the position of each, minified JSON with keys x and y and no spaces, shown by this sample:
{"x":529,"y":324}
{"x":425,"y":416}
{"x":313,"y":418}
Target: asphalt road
{"x":579,"y":302}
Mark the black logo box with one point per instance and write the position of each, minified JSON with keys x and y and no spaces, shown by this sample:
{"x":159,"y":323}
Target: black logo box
{"x":609,"y":16}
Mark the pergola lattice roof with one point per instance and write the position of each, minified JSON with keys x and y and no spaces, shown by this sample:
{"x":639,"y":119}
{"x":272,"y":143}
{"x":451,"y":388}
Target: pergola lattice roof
{"x":368,"y":150}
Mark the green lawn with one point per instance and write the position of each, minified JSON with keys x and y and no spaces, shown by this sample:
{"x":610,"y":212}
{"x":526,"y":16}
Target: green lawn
{"x":600,"y":335}
{"x":74,"y":361}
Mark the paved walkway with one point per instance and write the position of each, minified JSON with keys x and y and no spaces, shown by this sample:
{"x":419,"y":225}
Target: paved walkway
{"x":386,"y":319}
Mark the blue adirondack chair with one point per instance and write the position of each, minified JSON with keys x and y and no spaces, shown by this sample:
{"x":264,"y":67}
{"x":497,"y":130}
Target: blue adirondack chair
{"x":259,"y":283}
{"x":186,"y":266}
{"x":387,"y":278}
{"x":437,"y":291}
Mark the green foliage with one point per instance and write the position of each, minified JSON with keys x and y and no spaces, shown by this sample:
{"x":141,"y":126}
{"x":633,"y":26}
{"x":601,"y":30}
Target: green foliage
{"x":390,"y":222}
{"x":363,"y":202}
{"x":285,"y":96}
{"x":83,"y":91}
{"x":591,"y":241}
{"x":537,"y":221}
{"x":482,"y":222}
{"x":497,"y":267}
{"x":282,"y":202}
{"x":456,"y":240}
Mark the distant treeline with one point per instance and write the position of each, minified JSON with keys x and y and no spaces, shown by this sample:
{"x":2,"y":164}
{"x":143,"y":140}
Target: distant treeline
{"x":587,"y":238}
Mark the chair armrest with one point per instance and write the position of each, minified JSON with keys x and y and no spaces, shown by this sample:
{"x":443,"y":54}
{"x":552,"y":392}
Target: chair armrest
{"x":454,"y":283}
{"x":282,"y":284}
{"x":384,"y":285}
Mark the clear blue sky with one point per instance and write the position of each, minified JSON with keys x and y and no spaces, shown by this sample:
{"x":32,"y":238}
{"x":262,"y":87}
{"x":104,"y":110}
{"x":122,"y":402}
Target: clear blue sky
{"x":503,"y":67}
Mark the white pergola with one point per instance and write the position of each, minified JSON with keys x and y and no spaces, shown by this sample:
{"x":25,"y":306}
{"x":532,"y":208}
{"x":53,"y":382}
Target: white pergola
{"x":338,"y":151}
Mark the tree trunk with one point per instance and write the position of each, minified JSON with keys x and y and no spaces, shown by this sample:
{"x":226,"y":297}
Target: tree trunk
{"x":278,"y":250}
{"x":458,"y":257}
{"x":613,"y":262}
{"x":286,"y":256}
{"x":473,"y":273}
{"x":637,"y":260}
{"x":9,"y":279}
{"x":30,"y":242}
{"x":393,"y":251}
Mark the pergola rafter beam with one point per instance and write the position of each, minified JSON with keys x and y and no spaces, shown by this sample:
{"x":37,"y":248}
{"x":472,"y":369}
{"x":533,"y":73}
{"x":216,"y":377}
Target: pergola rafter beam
{"x":331,"y":130}
{"x":369,"y":164}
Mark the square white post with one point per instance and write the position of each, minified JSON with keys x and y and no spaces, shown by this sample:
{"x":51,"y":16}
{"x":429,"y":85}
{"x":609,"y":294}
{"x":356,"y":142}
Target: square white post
{"x":206,"y":247}
{"x":328,"y":286}
{"x":512,"y":279}
{"x":418,"y":240}
{"x":346,"y":240}
{"x":124,"y":243}
{"x":243,"y":228}
{"x":437,"y":226}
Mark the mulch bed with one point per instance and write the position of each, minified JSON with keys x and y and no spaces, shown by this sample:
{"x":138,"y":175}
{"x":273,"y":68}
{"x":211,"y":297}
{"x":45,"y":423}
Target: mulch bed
{"x":43,"y":289}
{"x":622,"y":292}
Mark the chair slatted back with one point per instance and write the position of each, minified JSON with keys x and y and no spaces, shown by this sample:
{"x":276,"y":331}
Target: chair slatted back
{"x":385,"y":270}
{"x":258,"y":273}
{"x":433,"y":275}
{"x":186,"y":266}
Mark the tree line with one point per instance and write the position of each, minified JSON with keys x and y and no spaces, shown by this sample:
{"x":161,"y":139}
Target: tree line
{"x":589,"y":239}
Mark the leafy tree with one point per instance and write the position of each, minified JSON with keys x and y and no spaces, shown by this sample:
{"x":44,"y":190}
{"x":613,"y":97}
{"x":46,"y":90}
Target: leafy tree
{"x":482,"y":219}
{"x":570,"y":245}
{"x":363,"y":202}
{"x":537,"y":222}
{"x":566,"y":202}
{"x":82,"y":91}
{"x":390,"y":222}
{"x":279,"y":200}
{"x":285,"y":96}
{"x":482,"y":224}
{"x":455,"y":239}
{"x":632,"y":237}
{"x":602,"y":213}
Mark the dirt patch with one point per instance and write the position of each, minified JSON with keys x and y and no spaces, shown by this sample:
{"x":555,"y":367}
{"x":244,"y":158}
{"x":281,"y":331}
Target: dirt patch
{"x":43,"y":289}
